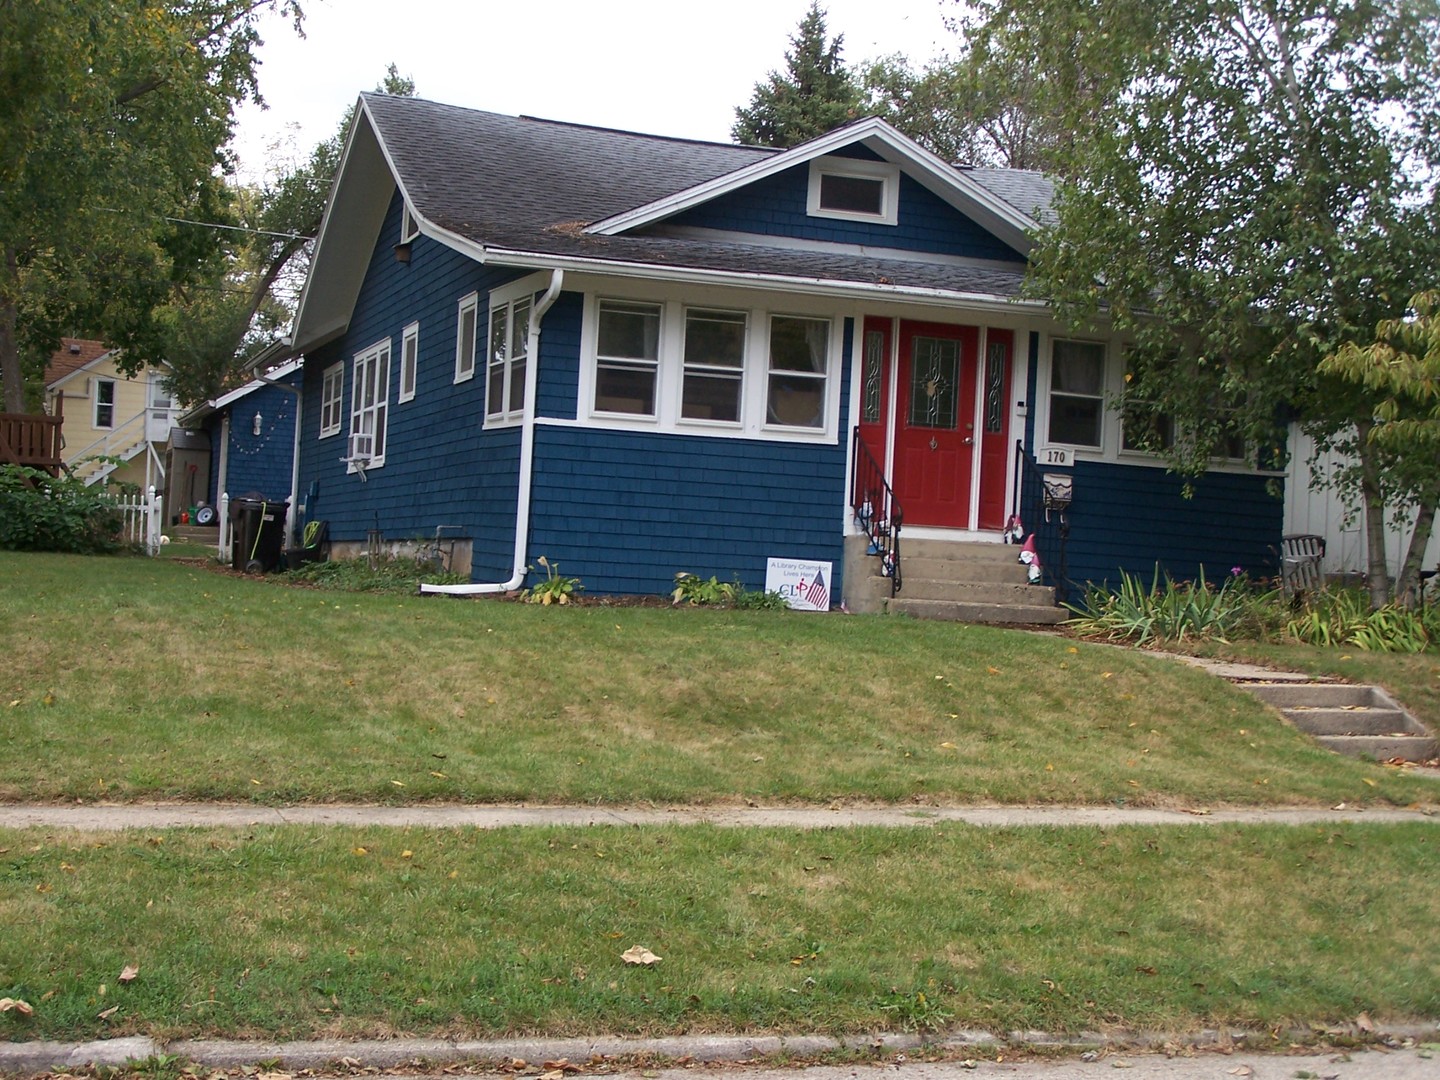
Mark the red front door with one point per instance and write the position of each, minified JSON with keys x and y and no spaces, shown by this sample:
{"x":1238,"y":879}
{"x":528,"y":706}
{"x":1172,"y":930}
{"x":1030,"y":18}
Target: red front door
{"x":935,"y":435}
{"x":995,"y":427}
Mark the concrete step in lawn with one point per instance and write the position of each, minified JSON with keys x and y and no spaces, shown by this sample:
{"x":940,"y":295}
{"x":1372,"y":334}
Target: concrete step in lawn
{"x":1361,"y":721}
{"x":970,"y":612}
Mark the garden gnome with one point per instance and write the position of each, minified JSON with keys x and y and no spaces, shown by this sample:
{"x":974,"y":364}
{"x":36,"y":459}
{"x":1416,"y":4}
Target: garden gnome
{"x":1031,"y":558}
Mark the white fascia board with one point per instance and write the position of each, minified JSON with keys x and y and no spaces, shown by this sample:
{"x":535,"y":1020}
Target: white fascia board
{"x":83,"y":369}
{"x":256,"y":384}
{"x":878,"y":136}
{"x":769,"y":282}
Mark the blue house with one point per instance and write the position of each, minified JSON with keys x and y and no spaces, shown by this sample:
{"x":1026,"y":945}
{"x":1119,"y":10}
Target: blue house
{"x":638,"y":355}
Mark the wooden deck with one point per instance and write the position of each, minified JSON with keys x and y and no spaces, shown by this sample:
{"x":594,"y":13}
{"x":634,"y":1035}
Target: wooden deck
{"x":31,"y":440}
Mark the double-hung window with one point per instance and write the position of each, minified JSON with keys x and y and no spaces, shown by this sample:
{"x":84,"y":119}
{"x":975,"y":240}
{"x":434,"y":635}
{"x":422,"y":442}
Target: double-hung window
{"x":465,"y":338}
{"x":714,"y":377}
{"x":1077,"y":392}
{"x":369,"y":404}
{"x":409,"y":361}
{"x":509,"y":345}
{"x":104,"y":403}
{"x":332,"y":390}
{"x":627,"y":358}
{"x":799,"y":371}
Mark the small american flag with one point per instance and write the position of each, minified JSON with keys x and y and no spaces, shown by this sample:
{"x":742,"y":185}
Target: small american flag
{"x":818,"y":594}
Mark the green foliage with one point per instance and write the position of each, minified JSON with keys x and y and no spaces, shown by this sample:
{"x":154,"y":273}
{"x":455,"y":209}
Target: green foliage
{"x":690,"y":589}
{"x":54,"y":514}
{"x":393,"y":575}
{"x":758,"y":600}
{"x":814,"y":94}
{"x":1343,"y":617}
{"x":1172,"y":611}
{"x":115,"y":115}
{"x":555,"y":589}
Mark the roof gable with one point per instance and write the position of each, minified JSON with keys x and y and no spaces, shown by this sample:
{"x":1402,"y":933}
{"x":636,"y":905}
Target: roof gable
{"x":73,"y":355}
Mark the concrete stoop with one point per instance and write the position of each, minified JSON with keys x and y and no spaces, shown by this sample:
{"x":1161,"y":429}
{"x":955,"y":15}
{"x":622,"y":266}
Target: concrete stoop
{"x":1361,"y":721}
{"x":952,"y":580}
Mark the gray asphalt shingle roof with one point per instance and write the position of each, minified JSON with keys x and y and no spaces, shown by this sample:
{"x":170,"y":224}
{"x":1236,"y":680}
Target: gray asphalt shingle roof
{"x":531,"y":185}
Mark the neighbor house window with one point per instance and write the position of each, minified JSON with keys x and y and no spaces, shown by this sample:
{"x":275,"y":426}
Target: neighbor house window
{"x":714,"y":365}
{"x":409,"y":360}
{"x":799,"y":371}
{"x":369,"y":403}
{"x":509,"y":343}
{"x":1077,"y":397}
{"x":104,"y":403}
{"x":331,"y":391}
{"x":465,"y":338}
{"x":854,"y":190}
{"x":627,"y":358}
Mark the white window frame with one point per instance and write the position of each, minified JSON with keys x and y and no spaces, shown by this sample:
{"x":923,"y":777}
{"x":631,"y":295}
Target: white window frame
{"x":635,"y":363}
{"x":673,"y":302}
{"x":409,"y":229}
{"x":506,"y":302}
{"x":371,"y":416}
{"x":703,"y":370}
{"x":465,"y":365}
{"x":96,"y":404}
{"x":409,"y":362}
{"x":1102,"y":398}
{"x":883,"y":171}
{"x":332,"y":399}
{"x":822,"y":377}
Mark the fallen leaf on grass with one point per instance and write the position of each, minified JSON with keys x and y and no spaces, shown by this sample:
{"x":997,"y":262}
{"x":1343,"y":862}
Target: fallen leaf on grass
{"x":638,"y":954}
{"x":17,"y":1005}
{"x":128,"y":974}
{"x":1365,"y":1024}
{"x":107,"y":1013}
{"x":1241,"y":1070}
{"x":562,"y":1065}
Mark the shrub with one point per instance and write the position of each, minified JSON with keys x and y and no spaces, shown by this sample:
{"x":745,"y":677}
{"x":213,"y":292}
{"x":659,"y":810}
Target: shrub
{"x":1336,"y":617}
{"x":690,"y":589}
{"x":393,"y":575}
{"x":55,"y":514}
{"x":555,"y":589}
{"x":1171,"y":610}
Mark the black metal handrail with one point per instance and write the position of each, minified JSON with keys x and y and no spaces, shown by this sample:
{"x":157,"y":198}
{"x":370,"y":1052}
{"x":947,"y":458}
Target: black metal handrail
{"x":1046,"y":515}
{"x":876,"y":511}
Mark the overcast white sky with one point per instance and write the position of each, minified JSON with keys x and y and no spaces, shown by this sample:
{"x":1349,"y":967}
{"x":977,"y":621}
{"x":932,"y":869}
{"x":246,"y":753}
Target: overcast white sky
{"x":666,"y":67}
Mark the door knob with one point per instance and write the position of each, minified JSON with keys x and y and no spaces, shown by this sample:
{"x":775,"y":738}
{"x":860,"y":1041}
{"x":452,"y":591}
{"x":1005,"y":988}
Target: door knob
{"x":969,"y":441}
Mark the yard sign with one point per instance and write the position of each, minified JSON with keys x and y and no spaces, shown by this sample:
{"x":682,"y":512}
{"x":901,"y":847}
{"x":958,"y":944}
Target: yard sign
{"x":804,"y":585}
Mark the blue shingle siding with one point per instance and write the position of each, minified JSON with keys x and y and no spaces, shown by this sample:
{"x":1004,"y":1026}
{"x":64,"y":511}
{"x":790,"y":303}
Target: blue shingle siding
{"x":260,"y":462}
{"x":441,"y":466}
{"x":1133,"y":516}
{"x":559,"y":377}
{"x":626,"y":511}
{"x":776,"y":205}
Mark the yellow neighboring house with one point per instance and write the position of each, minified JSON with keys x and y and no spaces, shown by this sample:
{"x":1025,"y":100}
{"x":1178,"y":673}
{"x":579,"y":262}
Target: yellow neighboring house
{"x":108,"y":415}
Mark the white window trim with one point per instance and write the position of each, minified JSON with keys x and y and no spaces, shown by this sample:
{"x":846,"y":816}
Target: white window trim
{"x":371,"y":355}
{"x":96,"y":404}
{"x":1112,"y":448}
{"x":744,"y":370}
{"x":673,"y":302}
{"x":409,"y":228}
{"x":409,"y":361}
{"x":883,"y":171}
{"x":506,"y":297}
{"x":334,"y":377}
{"x":465,"y":372}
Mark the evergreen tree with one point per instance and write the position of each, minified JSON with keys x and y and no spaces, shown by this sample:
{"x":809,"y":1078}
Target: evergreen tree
{"x":814,"y":94}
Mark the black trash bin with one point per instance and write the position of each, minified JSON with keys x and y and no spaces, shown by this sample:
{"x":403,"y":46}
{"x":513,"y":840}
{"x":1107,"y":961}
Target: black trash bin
{"x":257,"y":534}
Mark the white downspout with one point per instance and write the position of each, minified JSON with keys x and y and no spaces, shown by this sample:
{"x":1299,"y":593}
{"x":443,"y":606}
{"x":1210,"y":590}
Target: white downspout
{"x":527,"y":455}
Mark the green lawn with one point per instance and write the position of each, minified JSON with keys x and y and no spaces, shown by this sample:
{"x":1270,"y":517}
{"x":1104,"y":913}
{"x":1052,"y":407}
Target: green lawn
{"x":128,"y":678}
{"x":295,"y":932}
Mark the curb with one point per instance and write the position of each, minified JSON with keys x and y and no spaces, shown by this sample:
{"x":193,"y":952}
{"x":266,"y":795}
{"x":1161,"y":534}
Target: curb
{"x":37,"y":1057}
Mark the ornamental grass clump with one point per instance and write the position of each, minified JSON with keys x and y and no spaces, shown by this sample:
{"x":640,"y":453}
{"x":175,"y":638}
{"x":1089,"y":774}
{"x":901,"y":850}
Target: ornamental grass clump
{"x":1172,"y":611}
{"x":1338,"y":617}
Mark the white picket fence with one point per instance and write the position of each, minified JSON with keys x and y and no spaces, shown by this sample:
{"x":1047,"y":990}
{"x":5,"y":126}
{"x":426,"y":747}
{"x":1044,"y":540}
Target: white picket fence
{"x":142,"y":516}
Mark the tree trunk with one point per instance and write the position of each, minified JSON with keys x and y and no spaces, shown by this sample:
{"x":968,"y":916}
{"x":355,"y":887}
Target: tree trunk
{"x":1377,"y":575}
{"x":13,"y":377}
{"x":1408,"y":585}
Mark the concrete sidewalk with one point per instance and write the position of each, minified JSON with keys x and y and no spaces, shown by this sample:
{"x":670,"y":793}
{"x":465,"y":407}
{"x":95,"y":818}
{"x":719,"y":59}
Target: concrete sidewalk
{"x":108,"y":817}
{"x":1395,"y":1055}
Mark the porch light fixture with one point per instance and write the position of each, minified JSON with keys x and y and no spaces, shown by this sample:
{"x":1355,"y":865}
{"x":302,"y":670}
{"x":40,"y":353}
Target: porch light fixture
{"x":255,"y":424}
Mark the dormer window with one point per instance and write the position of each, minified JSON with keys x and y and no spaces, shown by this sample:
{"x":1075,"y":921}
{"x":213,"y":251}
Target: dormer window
{"x":854,"y":190}
{"x":408,"y":229}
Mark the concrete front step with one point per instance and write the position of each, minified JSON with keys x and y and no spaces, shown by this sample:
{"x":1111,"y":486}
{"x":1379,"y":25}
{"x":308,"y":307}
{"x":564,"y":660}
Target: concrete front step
{"x":195,"y":534}
{"x":977,"y":592}
{"x":925,"y":568}
{"x":962,"y":611}
{"x":1360,"y":721}
{"x":971,"y":550}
